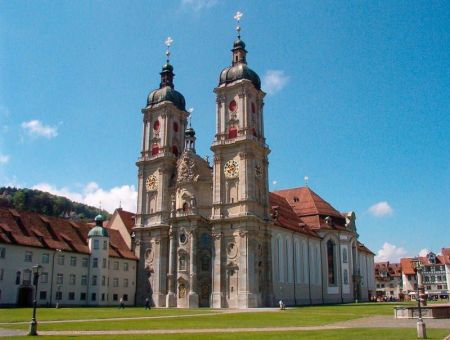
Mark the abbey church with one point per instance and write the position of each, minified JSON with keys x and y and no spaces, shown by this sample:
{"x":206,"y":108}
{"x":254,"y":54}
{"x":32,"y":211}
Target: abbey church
{"x":212,"y":234}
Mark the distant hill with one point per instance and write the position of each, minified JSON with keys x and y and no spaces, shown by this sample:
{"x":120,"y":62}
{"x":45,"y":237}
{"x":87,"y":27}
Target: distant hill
{"x":46,"y":204}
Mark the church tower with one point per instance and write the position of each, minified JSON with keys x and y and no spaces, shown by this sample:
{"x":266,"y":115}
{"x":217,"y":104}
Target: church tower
{"x":164,"y":123}
{"x":240,"y":187}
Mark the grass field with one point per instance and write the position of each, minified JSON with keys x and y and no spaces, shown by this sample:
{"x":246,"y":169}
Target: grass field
{"x":68,"y":319}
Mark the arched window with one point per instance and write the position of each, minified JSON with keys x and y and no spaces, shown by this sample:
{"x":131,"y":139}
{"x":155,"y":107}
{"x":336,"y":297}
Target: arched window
{"x":182,"y":263}
{"x":206,"y":263}
{"x":155,"y":149}
{"x":344,"y":255}
{"x":331,"y":265}
{"x":18,"y":275}
{"x":185,"y":206}
{"x":156,"y":125}
{"x":26,"y":277}
{"x":232,"y":132}
{"x":280,"y":260}
{"x":288,"y":269}
{"x":175,"y":150}
{"x":345,"y":277}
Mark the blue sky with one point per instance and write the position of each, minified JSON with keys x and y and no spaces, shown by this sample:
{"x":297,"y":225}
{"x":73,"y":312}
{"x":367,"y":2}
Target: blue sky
{"x":358,"y":100}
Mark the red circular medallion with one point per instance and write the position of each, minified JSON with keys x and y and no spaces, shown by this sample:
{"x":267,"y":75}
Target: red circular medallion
{"x":232,"y":106}
{"x":156,"y":125}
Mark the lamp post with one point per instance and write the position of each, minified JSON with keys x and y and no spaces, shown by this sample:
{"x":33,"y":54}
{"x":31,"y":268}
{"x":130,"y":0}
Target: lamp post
{"x":418,"y":268}
{"x":33,"y":324}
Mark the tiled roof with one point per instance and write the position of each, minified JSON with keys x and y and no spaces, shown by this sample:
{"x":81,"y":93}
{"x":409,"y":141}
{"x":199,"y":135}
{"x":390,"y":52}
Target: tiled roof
{"x":34,"y":230}
{"x":311,"y":208}
{"x":407,"y":266}
{"x":391,"y":269}
{"x":283,"y":215}
{"x":363,"y":248}
{"x":127,"y":218}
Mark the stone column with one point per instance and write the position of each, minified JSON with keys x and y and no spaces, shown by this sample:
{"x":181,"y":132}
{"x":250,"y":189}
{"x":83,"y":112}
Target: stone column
{"x":217,"y":292}
{"x":193,"y":296}
{"x":171,"y":298}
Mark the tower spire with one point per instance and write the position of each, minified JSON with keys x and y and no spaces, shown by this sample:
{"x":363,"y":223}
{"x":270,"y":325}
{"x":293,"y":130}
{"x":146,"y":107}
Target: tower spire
{"x":189,"y":135}
{"x":239,"y":52}
{"x":167,"y":70}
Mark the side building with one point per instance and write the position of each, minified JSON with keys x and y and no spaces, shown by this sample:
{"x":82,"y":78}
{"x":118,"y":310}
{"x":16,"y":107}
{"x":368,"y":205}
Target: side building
{"x":388,"y":278}
{"x":81,"y":264}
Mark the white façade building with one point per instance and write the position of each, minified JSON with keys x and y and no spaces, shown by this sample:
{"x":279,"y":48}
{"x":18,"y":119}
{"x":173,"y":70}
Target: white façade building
{"x":212,"y":234}
{"x":81,"y":264}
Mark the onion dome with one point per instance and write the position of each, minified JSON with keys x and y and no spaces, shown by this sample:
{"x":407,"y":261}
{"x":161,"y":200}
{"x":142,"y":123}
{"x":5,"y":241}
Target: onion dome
{"x":239,"y":69}
{"x":166,"y":91}
{"x":98,"y":230}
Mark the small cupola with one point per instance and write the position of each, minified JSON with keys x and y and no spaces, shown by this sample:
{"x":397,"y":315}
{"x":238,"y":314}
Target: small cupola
{"x":98,"y":230}
{"x":189,"y":137}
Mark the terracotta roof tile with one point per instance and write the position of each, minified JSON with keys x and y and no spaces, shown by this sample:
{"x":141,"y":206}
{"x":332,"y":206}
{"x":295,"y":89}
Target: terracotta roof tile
{"x":306,"y":204}
{"x":127,"y":218}
{"x":407,"y":266}
{"x":34,"y":230}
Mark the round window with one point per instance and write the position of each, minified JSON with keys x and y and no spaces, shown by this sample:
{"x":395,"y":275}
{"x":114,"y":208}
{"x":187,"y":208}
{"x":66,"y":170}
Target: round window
{"x":232,"y":106}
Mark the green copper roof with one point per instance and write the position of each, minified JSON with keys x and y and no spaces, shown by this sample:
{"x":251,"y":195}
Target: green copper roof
{"x":238,"y":72}
{"x":167,"y":93}
{"x":98,"y":231}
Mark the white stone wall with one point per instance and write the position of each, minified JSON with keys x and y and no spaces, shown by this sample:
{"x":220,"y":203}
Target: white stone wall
{"x":14,"y":261}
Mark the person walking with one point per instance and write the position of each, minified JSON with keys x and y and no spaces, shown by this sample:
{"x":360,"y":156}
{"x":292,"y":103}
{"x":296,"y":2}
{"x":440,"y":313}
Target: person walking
{"x":147,"y":303}
{"x":121,"y":303}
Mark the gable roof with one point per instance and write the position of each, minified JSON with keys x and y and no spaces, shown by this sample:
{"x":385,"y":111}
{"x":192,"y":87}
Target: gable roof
{"x":284,"y":216}
{"x":128,"y":219}
{"x":312,"y":209}
{"x":31,"y":229}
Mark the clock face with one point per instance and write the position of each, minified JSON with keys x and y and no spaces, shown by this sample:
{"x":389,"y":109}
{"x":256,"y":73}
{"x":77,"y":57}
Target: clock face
{"x":150,"y":183}
{"x":231,"y":169}
{"x":232,"y":106}
{"x":258,"y":170}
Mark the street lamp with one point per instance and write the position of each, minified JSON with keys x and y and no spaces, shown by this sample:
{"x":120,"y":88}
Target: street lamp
{"x":33,"y":324}
{"x":418,"y":268}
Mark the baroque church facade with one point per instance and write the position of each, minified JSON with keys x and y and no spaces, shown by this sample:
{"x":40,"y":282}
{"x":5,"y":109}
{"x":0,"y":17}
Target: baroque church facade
{"x":212,"y":234}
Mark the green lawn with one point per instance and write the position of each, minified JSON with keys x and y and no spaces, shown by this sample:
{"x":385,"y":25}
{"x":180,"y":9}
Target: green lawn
{"x":299,"y":316}
{"x":83,"y":313}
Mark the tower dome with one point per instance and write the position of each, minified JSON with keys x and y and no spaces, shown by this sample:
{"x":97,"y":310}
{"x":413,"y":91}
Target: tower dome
{"x":98,"y":230}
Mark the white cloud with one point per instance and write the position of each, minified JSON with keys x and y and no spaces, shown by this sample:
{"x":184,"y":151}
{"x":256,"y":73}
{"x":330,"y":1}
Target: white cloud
{"x":93,"y":195}
{"x":391,"y":253}
{"x":36,"y":128}
{"x":275,"y":182}
{"x":198,"y":5}
{"x":381,"y":209}
{"x":274,"y":81}
{"x":424,"y":252}
{"x":4,"y":159}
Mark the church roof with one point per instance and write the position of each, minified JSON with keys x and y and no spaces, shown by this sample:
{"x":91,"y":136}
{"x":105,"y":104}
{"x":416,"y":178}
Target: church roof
{"x":25,"y":228}
{"x":283,"y":215}
{"x":311,"y":208}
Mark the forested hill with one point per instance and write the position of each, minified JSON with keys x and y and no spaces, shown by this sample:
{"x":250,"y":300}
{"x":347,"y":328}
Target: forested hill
{"x":46,"y":204}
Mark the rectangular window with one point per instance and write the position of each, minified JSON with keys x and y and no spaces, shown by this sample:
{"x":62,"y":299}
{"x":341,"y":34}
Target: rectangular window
{"x":84,"y":280}
{"x":72,"y":279}
{"x":103,"y":280}
{"x":2,"y":272}
{"x":104,"y":263}
{"x":61,"y":260}
{"x":59,"y":279}
{"x":125,"y":266}
{"x":116,"y":265}
{"x":58,"y":296}
{"x":71,"y":296}
{"x":115,"y":282}
{"x":28,"y":256}
{"x":83,"y":296}
{"x":84,"y":262}
{"x":2,"y":252}
{"x":45,"y":258}
{"x":439,"y":286}
{"x":94,"y":280}
{"x":125,"y":297}
{"x":93,"y":297}
{"x":95,"y":262}
{"x":73,"y":261}
{"x":115,"y":297}
{"x":125,"y":283}
{"x":103,"y":296}
{"x":105,"y":245}
{"x":42,"y":295}
{"x":44,"y":277}
{"x":439,"y":278}
{"x":96,"y":244}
